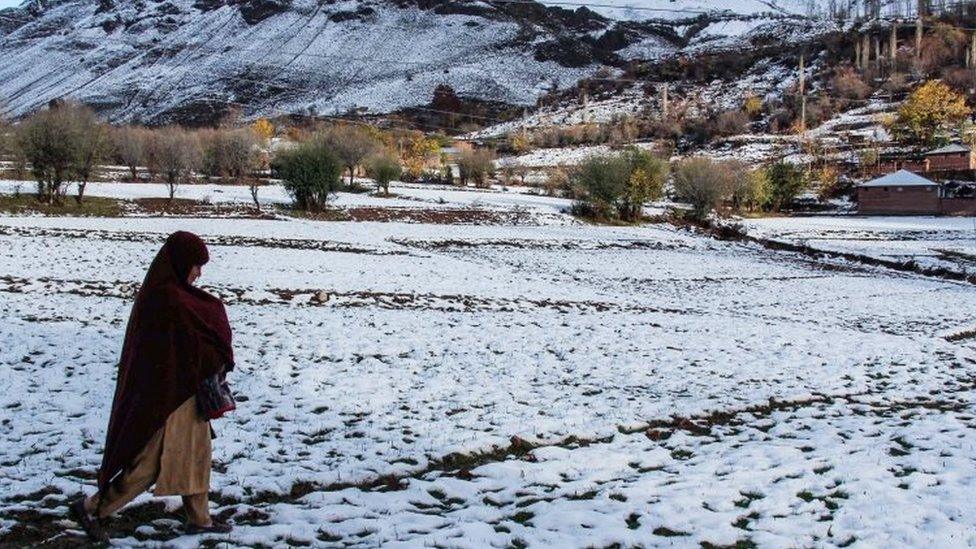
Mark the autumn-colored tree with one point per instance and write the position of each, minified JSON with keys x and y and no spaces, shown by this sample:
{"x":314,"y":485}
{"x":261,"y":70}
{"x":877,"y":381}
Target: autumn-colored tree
{"x":752,"y":106}
{"x":648,"y":174}
{"x":519,"y":142}
{"x":417,"y":152}
{"x":827,"y":180}
{"x":263,"y":128}
{"x":930,"y":112}
{"x":752,"y":191}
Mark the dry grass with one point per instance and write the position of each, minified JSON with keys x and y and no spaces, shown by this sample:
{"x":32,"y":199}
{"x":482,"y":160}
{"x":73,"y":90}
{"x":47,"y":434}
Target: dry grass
{"x":91,"y":207}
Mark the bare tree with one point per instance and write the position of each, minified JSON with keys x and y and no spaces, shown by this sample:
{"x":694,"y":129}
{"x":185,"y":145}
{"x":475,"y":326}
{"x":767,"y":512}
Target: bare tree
{"x":94,"y":145}
{"x":235,"y":155}
{"x":476,"y":165}
{"x":130,"y":147}
{"x":231,"y":153}
{"x":352,"y":144}
{"x":705,"y":183}
{"x":5,"y":137}
{"x":50,"y":142}
{"x":177,"y":155}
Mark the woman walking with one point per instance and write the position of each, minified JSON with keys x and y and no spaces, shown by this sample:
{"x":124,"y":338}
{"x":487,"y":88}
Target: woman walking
{"x":178,"y":336}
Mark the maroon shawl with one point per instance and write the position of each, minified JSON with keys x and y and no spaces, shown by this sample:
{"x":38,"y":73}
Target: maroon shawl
{"x":176,"y":337}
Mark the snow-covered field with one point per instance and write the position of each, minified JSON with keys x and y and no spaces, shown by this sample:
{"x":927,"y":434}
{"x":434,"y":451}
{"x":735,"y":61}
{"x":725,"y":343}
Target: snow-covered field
{"x":557,"y":385}
{"x":931,"y":242}
{"x":403,"y":195}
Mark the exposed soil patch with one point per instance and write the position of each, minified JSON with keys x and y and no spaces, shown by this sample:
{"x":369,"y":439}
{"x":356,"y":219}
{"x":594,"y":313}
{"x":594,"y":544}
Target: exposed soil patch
{"x":324,"y":298}
{"x":214,"y":240}
{"x":96,"y":206}
{"x":531,"y":244}
{"x":183,"y":207}
{"x":433,"y":216}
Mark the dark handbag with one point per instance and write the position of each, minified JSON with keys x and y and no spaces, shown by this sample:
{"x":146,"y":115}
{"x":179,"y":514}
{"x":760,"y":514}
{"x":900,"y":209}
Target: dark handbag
{"x":214,"y":398}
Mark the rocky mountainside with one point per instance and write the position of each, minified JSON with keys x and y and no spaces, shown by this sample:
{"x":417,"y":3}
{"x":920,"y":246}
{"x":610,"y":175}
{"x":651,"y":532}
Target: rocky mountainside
{"x":160,"y":61}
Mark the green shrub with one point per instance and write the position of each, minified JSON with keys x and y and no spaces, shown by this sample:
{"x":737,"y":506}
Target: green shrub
{"x":310,"y":173}
{"x":785,"y":183}
{"x":599,"y":182}
{"x":648,"y":174}
{"x":617,"y":186}
{"x":383,"y":168}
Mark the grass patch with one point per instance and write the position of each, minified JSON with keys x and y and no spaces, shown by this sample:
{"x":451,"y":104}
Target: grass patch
{"x":666,"y":532}
{"x":93,"y":206}
{"x":747,"y":499}
{"x":523,"y":517}
{"x":326,"y":214}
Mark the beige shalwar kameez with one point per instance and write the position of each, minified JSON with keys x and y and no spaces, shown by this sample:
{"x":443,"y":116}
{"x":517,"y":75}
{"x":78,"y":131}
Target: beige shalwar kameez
{"x":176,"y":460}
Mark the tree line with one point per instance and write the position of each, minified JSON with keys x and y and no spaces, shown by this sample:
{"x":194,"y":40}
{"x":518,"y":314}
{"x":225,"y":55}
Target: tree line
{"x":615,"y":187}
{"x":67,"y":143}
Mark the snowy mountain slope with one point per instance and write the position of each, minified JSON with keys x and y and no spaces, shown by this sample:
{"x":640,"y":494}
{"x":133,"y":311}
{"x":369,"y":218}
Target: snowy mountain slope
{"x":191,"y":60}
{"x":638,"y":10}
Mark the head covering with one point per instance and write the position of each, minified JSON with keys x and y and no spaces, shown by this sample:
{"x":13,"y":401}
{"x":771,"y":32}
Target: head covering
{"x":177,"y":336}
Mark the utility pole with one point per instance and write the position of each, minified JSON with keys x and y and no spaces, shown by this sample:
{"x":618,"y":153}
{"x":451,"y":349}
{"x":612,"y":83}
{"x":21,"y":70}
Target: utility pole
{"x":918,"y":33}
{"x":972,"y":55}
{"x":664,"y":101}
{"x":893,"y":41}
{"x":803,"y":95}
{"x":865,"y":51}
{"x":877,"y":53}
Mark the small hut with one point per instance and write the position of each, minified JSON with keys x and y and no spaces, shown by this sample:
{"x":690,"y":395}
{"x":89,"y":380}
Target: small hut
{"x":899,"y":193}
{"x":950,"y":157}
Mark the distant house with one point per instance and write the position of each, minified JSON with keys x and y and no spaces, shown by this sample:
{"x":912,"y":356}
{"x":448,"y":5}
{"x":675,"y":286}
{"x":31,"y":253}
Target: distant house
{"x":950,"y":157}
{"x":892,"y":162}
{"x":899,"y":193}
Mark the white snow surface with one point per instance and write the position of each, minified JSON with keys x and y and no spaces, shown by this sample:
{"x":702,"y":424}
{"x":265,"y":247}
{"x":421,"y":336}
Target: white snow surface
{"x":584,"y":340}
{"x":931,"y":242}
